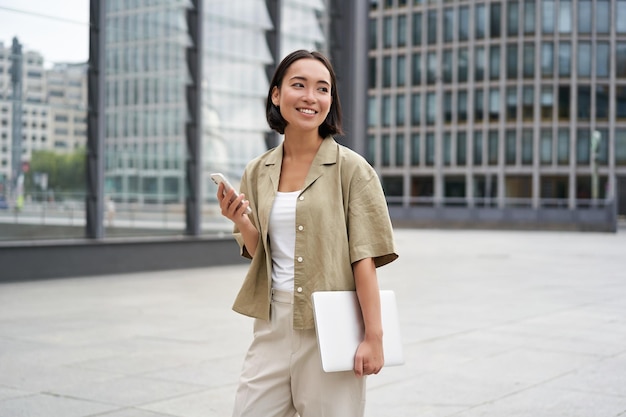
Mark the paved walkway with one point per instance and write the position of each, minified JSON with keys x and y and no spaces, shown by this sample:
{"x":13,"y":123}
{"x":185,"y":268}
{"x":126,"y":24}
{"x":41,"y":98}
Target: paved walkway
{"x":495,"y":323}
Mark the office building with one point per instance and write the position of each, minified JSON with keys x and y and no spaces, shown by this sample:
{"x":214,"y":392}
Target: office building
{"x":146,"y":81}
{"x":50,"y":106}
{"x":498,"y":104}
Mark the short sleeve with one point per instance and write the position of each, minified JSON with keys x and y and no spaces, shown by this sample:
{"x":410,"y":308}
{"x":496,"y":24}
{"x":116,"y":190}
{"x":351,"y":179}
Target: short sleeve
{"x":370,"y":231}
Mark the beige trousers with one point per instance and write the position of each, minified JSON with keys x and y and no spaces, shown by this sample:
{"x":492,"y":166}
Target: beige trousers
{"x":282,"y":374}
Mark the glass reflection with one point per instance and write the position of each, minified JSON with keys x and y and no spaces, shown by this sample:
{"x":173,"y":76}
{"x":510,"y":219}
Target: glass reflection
{"x":43,"y":119}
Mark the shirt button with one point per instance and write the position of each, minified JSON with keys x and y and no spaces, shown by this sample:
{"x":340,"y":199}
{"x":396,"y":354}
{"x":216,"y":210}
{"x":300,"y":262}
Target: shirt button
{"x":299,"y":289}
{"x":301,"y":198}
{"x":301,"y":228}
{"x":300,"y":259}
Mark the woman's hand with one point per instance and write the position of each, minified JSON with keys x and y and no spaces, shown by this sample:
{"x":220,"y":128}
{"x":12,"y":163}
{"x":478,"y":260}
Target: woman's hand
{"x":369,"y":357}
{"x":233,"y":207}
{"x":235,"y":210}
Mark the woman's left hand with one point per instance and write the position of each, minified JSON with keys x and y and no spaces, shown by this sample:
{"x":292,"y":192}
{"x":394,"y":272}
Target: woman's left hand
{"x":369,"y":357}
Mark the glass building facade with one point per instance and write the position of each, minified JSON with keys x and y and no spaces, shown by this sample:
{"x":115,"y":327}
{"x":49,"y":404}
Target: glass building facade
{"x":498,"y":103}
{"x":146,"y":81}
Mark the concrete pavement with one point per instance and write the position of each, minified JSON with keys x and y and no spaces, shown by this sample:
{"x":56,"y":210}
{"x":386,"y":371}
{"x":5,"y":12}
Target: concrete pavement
{"x":495,"y":323}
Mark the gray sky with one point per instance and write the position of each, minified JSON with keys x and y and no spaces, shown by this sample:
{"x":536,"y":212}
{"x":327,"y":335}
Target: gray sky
{"x":62,"y":37}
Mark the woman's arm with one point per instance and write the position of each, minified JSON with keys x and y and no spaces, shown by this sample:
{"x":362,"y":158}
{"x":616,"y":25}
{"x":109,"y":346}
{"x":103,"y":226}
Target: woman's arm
{"x":235,"y":211}
{"x":369,"y":357}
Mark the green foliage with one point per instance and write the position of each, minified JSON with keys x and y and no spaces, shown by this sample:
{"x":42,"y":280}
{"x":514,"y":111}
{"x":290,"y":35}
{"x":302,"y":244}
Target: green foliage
{"x":66,"y":171}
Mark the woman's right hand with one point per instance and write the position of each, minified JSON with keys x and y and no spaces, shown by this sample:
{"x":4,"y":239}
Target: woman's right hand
{"x":233,"y":207}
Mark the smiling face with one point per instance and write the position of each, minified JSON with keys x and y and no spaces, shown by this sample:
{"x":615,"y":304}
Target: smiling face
{"x":304,"y":97}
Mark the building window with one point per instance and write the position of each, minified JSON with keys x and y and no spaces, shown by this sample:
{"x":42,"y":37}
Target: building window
{"x":583,"y":147}
{"x":511,"y":104}
{"x":492,"y":148}
{"x":565,"y":16}
{"x":620,"y":144}
{"x":547,"y":59}
{"x":373,"y":32}
{"x":562,"y":149}
{"x":528,"y":98}
{"x":416,"y":69}
{"x":447,"y":107}
{"x":602,"y":60}
{"x":393,"y":187}
{"x":400,"y":113}
{"x":399,"y":149}
{"x":416,"y":107}
{"x":620,"y":98}
{"x":620,"y":60}
{"x":494,"y":104}
{"x":447,"y":149}
{"x":603,"y":147}
{"x":529,"y":17}
{"x":494,"y":62}
{"x":620,"y":17}
{"x":480,"y":21}
{"x":479,"y":106}
{"x":447,"y":66}
{"x":584,"y":102}
{"x":461,"y":148}
{"x":386,"y":72}
{"x":603,"y":16}
{"x":495,"y":19}
{"x":371,"y":73}
{"x":386,"y":111}
{"x":527,"y":147}
{"x":463,"y":65}
{"x":430,"y":149}
{"x":479,"y":70}
{"x":547,"y":103}
{"x":432,"y":27}
{"x":529,"y":60}
{"x":431,"y":108}
{"x":546,"y":147}
{"x":511,"y":61}
{"x":433,"y":68}
{"x":564,"y":102}
{"x":417,"y":29}
{"x":463,"y":23}
{"x":584,"y":59}
{"x":372,"y":112}
{"x":478,"y":148}
{"x":448,"y":25}
{"x":584,"y":16}
{"x":402,"y":28}
{"x":602,"y":102}
{"x":415,"y":149}
{"x":510,"y":148}
{"x":387,"y":32}
{"x":513,"y":18}
{"x":462,"y":106}
{"x":386,"y":150}
{"x":422,"y":187}
{"x":565,"y":59}
{"x":401,"y":71}
{"x":547,"y":16}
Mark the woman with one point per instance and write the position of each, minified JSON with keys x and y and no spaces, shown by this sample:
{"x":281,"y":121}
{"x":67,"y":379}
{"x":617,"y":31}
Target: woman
{"x":319,"y":221}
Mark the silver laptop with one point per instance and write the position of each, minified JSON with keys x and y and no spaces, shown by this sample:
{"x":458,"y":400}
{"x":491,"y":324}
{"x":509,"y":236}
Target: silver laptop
{"x":339,"y":327}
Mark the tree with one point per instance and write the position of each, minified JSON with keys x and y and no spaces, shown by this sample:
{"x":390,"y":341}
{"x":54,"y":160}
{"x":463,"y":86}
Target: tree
{"x":65,"y":171}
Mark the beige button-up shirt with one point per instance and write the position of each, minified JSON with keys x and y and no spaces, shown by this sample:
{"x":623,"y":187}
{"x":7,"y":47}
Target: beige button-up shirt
{"x":341,"y":218}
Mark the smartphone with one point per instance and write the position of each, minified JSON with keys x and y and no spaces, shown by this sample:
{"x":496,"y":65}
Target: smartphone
{"x":220,"y":178}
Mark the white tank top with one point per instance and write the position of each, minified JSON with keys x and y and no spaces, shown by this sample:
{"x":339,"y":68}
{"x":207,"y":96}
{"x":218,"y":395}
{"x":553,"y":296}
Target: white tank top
{"x":282,"y":231}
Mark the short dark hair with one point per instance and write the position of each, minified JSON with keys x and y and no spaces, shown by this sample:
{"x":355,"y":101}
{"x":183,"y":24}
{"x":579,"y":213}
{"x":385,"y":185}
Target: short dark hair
{"x":332,"y":123}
